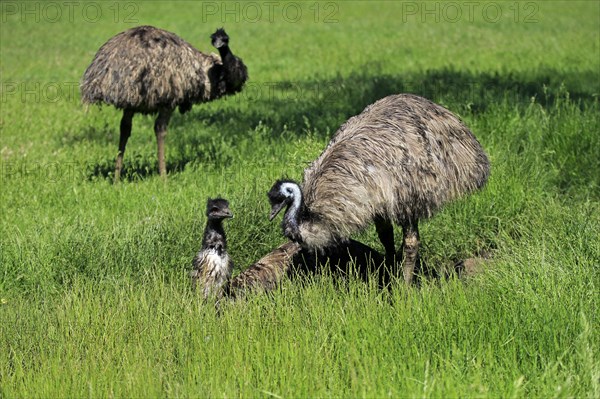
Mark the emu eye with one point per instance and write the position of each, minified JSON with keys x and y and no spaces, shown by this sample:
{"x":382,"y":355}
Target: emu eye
{"x":214,"y":209}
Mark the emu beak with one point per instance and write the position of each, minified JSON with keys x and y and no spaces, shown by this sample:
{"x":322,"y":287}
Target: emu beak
{"x":275,"y":209}
{"x":226,"y":214}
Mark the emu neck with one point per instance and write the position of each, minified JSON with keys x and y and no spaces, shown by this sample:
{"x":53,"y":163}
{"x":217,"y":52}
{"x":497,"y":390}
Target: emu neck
{"x":291,"y":220}
{"x":226,"y":55}
{"x":214,"y":236}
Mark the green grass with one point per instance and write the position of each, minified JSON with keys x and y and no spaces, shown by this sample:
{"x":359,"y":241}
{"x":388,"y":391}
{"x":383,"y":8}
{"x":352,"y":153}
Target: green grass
{"x":94,"y":298}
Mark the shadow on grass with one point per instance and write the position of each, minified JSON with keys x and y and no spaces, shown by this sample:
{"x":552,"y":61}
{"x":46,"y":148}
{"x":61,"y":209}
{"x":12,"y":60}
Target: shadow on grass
{"x":320,"y":106}
{"x":105,"y":134}
{"x":328,"y":103}
{"x":135,"y":168}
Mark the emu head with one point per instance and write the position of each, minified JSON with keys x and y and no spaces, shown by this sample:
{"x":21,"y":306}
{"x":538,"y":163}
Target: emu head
{"x":218,"y":209}
{"x":219,"y":38}
{"x":283,"y":193}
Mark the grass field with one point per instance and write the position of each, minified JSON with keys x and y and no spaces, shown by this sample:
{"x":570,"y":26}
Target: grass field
{"x":94,"y":296}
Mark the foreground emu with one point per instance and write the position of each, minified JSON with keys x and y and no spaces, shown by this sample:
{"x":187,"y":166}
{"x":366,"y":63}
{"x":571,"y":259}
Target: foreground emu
{"x":400,"y":160}
{"x":148,"y":70}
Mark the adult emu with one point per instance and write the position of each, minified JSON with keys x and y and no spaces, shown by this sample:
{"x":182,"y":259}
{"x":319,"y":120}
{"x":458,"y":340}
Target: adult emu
{"x":400,"y":160}
{"x":151,"y":71}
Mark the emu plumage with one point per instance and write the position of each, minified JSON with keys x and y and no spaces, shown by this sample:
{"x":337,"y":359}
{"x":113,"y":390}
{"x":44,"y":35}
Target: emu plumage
{"x":151,"y":71}
{"x":398,"y":161}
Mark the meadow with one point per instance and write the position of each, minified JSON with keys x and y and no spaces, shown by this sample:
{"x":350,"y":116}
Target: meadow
{"x":94,"y":295}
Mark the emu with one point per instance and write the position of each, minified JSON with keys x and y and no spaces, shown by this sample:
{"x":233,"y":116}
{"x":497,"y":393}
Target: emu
{"x":151,"y":71}
{"x":212,"y":266}
{"x":398,"y":161}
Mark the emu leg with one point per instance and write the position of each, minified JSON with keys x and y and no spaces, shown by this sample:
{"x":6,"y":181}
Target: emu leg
{"x":385,"y":231}
{"x":125,"y":133}
{"x":160,"y":129}
{"x":410,"y":250}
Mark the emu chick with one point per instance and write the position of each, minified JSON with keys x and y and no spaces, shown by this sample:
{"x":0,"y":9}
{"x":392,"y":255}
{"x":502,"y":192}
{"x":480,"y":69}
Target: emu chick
{"x":212,"y":266}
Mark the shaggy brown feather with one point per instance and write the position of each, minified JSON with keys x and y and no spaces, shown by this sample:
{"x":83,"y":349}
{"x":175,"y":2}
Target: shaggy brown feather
{"x":267,"y":272}
{"x":146,"y":69}
{"x":402,"y":158}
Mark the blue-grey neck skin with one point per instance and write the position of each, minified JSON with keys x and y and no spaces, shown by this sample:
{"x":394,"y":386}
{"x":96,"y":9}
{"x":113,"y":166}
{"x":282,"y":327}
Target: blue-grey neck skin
{"x":290,"y":223}
{"x":214,"y":236}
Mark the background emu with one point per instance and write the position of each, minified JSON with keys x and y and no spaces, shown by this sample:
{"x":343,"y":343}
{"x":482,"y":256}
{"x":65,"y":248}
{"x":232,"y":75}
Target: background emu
{"x":149,"y":70}
{"x":398,"y":161}
{"x":212,"y":266}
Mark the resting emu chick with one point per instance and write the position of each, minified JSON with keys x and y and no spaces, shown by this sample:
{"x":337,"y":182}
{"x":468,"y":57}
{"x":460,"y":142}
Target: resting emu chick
{"x":148,"y":70}
{"x":266,"y":273}
{"x":212,"y":266}
{"x":398,"y":161}
{"x":290,"y":258}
